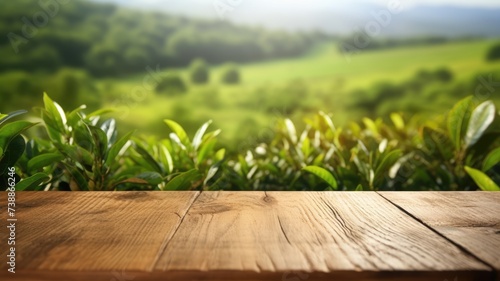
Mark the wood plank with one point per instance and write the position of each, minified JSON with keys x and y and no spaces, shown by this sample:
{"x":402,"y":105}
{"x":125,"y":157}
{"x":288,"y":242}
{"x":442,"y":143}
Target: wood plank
{"x":471,"y":219}
{"x":350,"y":236}
{"x":221,"y":275}
{"x":92,"y":231}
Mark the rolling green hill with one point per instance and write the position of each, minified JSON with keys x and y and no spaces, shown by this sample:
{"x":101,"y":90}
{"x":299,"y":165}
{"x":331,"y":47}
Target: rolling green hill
{"x":321,"y":80}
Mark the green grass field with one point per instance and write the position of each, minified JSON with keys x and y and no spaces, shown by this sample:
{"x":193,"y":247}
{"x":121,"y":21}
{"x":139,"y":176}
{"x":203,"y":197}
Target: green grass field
{"x":329,"y":76}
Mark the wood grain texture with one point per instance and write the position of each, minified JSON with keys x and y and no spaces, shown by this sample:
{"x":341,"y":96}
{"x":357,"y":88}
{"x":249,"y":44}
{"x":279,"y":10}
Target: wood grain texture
{"x":471,"y":219}
{"x":281,"y":236}
{"x":221,"y":275}
{"x":350,"y":236}
{"x":93,"y":231}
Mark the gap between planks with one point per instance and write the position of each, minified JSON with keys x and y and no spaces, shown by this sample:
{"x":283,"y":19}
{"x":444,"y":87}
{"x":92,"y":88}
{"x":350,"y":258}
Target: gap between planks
{"x":169,"y":237}
{"x":457,"y":244}
{"x":182,"y":225}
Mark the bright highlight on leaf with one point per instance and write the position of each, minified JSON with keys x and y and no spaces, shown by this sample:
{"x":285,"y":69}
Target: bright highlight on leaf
{"x":482,"y":180}
{"x":323,"y":174}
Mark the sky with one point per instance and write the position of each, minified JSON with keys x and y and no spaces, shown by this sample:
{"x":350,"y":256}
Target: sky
{"x":467,"y":3}
{"x":418,"y":17}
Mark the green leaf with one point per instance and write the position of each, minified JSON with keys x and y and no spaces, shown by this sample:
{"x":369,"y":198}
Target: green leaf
{"x":79,"y":179}
{"x":109,"y":128}
{"x":116,"y":148}
{"x":75,"y":116}
{"x":101,"y":112}
{"x":205,"y":150}
{"x":33,"y":182}
{"x":11,"y":131}
{"x":83,"y":137}
{"x":481,"y":118}
{"x":491,"y":159}
{"x":387,"y":162}
{"x":133,"y":180}
{"x":482,"y":180}
{"x":371,"y":126}
{"x":211,"y":172}
{"x":55,"y":112}
{"x":148,"y":158}
{"x":184,"y":181}
{"x":11,"y":115}
{"x":306,"y":147}
{"x":152,"y":178}
{"x":328,"y":121}
{"x":13,"y":152}
{"x":458,"y":119}
{"x":198,"y":137}
{"x":437,"y":143}
{"x":166,"y":158}
{"x":178,"y":130}
{"x":292,"y":133}
{"x":359,"y":188}
{"x":77,"y":153}
{"x":319,"y":159}
{"x":100,"y":141}
{"x":398,"y":121}
{"x":219,"y":155}
{"x":322,"y":174}
{"x":52,"y":129}
{"x":43,"y":160}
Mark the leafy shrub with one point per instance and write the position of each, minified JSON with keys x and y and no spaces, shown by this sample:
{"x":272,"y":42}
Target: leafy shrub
{"x":443,"y":74}
{"x":493,"y":53}
{"x":17,"y":90}
{"x":83,"y":152}
{"x":284,"y":99}
{"x":198,"y":71}
{"x":72,"y":87}
{"x":171,"y":84}
{"x":12,"y":146}
{"x":231,"y":74}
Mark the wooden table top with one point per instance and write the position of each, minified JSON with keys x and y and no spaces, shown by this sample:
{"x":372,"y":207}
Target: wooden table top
{"x":281,"y":236}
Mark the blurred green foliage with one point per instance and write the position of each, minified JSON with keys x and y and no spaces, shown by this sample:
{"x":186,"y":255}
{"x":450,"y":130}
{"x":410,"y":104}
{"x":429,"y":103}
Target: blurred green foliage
{"x":459,"y":151}
{"x":171,"y":84}
{"x":493,"y":53}
{"x":231,"y":74}
{"x":199,"y":72}
{"x":140,"y":64}
{"x":107,"y":41}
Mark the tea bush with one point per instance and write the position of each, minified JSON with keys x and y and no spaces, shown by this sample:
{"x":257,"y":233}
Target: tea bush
{"x":198,"y":71}
{"x":231,"y":74}
{"x":171,"y":84}
{"x":494,"y":53}
{"x":84,"y":151}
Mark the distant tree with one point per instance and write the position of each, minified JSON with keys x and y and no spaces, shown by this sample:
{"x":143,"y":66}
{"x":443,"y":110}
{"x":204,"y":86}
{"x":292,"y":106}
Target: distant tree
{"x":104,"y":60}
{"x":199,"y":71}
{"x":43,"y":57}
{"x":135,"y":58}
{"x":443,"y":74}
{"x":171,"y":84}
{"x":231,"y":74}
{"x":493,"y":53}
{"x":72,"y":87}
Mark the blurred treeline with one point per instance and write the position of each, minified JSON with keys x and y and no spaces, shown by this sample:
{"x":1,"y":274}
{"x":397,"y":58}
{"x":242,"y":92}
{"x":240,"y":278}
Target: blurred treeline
{"x":81,"y":40}
{"x":106,"y":40}
{"x":348,"y":43}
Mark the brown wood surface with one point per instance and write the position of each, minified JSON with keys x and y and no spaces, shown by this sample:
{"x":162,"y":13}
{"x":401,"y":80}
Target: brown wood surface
{"x":471,"y":219}
{"x":92,"y":231}
{"x":340,"y":234}
{"x":292,"y":236}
